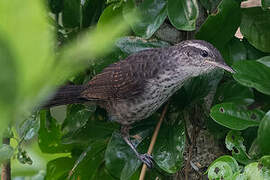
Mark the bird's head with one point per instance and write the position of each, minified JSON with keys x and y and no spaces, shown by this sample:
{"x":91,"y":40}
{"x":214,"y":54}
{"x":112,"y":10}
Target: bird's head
{"x":202,"y":55}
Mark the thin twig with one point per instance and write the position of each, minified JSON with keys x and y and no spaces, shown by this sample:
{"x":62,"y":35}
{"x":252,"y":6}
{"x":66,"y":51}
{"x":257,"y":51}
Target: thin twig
{"x":153,"y":140}
{"x":6,"y":172}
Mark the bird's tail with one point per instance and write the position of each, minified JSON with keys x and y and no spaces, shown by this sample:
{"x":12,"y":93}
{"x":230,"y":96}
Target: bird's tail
{"x":69,"y":94}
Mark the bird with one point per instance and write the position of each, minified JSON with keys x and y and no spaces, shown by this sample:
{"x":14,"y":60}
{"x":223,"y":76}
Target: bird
{"x":132,"y":89}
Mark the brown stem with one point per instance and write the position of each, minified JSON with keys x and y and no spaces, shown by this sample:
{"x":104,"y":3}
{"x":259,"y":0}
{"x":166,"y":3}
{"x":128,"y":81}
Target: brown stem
{"x":153,"y":140}
{"x":6,"y":171}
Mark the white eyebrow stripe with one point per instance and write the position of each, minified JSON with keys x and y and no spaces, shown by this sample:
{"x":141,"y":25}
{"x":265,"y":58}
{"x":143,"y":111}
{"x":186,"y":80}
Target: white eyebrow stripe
{"x":197,"y":45}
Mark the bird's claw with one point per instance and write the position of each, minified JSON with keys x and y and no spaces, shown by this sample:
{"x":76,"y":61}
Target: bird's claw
{"x":147,"y":160}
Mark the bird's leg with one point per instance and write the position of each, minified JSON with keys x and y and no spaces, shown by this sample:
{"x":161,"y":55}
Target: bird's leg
{"x":145,"y":158}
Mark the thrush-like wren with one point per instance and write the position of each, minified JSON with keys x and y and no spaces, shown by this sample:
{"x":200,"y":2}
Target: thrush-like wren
{"x":134,"y":88}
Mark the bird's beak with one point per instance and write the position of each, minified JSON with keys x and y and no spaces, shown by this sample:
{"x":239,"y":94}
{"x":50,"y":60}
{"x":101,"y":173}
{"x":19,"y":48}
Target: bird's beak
{"x":221,"y":65}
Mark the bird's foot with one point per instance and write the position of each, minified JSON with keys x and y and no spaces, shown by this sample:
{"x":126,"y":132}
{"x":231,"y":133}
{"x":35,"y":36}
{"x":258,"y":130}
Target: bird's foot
{"x":147,"y":160}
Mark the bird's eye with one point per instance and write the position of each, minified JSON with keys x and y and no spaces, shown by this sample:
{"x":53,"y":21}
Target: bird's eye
{"x":204,"y":53}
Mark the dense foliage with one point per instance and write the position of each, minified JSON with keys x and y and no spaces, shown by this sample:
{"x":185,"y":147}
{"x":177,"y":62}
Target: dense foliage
{"x":73,"y":40}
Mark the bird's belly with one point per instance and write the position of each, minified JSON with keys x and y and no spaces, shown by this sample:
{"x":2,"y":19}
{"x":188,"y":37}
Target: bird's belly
{"x":143,"y":106}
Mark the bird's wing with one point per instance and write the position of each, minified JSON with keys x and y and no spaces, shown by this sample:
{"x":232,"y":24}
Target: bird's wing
{"x":121,"y":80}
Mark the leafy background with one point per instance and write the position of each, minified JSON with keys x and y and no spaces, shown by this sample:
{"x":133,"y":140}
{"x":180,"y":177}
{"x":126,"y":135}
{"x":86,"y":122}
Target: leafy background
{"x":70,"y":41}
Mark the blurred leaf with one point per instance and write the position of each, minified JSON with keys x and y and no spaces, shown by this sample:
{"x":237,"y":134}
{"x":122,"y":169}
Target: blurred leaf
{"x":59,"y":168}
{"x":49,"y":135}
{"x":120,"y":160}
{"x":234,"y":142}
{"x":71,"y":13}
{"x":256,"y":171}
{"x":235,"y":117}
{"x":6,"y":152}
{"x":225,"y":22}
{"x":23,"y":157}
{"x":183,"y":14}
{"x":255,"y":27}
{"x":253,"y":74}
{"x":151,"y":14}
{"x":229,"y":92}
{"x":170,"y":146}
{"x":102,"y":173}
{"x":92,"y":10}
{"x":255,"y":150}
{"x":265,"y":4}
{"x":222,"y":168}
{"x":87,"y":165}
{"x":265,"y":162}
{"x":55,"y":6}
{"x":131,"y":44}
{"x":264,"y":134}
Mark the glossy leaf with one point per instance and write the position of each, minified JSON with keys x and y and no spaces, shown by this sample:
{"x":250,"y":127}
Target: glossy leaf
{"x":234,"y":142}
{"x":89,"y":161}
{"x":222,"y":168}
{"x":197,"y":88}
{"x":151,"y":14}
{"x":265,"y":4}
{"x":120,"y":160}
{"x":131,"y":44}
{"x":96,"y":128}
{"x":71,"y":13}
{"x":50,"y":135}
{"x":234,"y":92}
{"x":29,"y":128}
{"x":255,"y":27}
{"x":225,"y":21}
{"x":253,"y":74}
{"x":183,"y":14}
{"x":55,"y":6}
{"x":210,"y":5}
{"x":170,"y":146}
{"x":264,"y":134}
{"x":58,"y":169}
{"x":6,"y":152}
{"x":235,"y":117}
{"x":265,"y":60}
{"x":92,"y":10}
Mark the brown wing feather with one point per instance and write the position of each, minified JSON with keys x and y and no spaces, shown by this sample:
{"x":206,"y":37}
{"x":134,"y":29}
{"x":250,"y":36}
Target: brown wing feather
{"x":118,"y":81}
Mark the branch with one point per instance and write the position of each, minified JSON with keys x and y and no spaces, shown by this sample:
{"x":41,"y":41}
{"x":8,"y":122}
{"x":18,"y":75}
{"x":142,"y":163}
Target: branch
{"x":153,"y":140}
{"x":6,"y":172}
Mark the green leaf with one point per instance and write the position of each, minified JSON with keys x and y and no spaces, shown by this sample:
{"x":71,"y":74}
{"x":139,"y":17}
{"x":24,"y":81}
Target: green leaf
{"x":132,"y":45}
{"x":120,"y":160}
{"x":235,"y":117}
{"x":183,"y":14}
{"x":89,"y":161}
{"x":96,"y":128}
{"x":92,"y":10}
{"x":222,"y":168}
{"x":29,"y":128}
{"x":210,"y":5}
{"x":265,"y":60}
{"x":55,"y":6}
{"x":264,"y":134}
{"x":197,"y":88}
{"x":229,"y":92}
{"x":6,"y":152}
{"x":225,"y":22}
{"x":151,"y":14}
{"x":71,"y":13}
{"x":265,"y":4}
{"x":59,"y":168}
{"x":50,"y":135}
{"x":170,"y":145}
{"x":234,"y":142}
{"x":256,"y":171}
{"x":255,"y":27}
{"x":253,"y":74}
